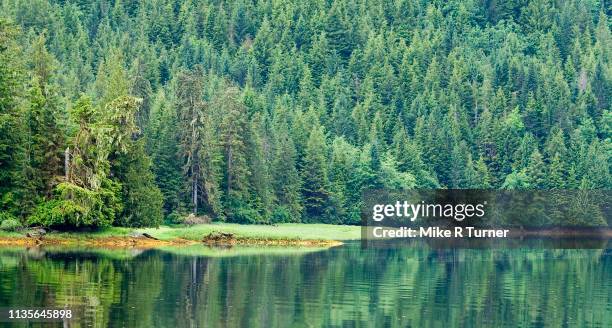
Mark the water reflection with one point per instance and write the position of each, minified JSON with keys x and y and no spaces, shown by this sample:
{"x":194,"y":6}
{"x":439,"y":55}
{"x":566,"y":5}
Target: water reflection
{"x":341,"y":287}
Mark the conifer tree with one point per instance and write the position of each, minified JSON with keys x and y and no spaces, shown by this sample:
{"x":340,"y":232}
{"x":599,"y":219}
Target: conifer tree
{"x":285,"y":177}
{"x":483,"y":179}
{"x":12,"y":147}
{"x":556,"y":173}
{"x":516,"y":181}
{"x":191,"y":108}
{"x":163,"y":145}
{"x":232,"y":136}
{"x":536,"y":171}
{"x":337,"y":31}
{"x":258,"y":156}
{"x":142,"y":198}
{"x":315,"y":187}
{"x":45,"y":140}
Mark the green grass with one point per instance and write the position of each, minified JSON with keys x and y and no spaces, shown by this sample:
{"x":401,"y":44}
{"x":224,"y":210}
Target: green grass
{"x":289,"y":231}
{"x":101,"y":233}
{"x":105,"y":232}
{"x":10,"y":234}
{"x":281,"y":231}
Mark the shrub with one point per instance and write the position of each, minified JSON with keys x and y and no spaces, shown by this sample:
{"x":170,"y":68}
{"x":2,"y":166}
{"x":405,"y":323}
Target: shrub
{"x":281,"y":214}
{"x":47,"y":214}
{"x":10,"y":225}
{"x":193,"y":220}
{"x":79,"y":207}
{"x":175,"y":218}
{"x":246,"y":216}
{"x":5,"y":215}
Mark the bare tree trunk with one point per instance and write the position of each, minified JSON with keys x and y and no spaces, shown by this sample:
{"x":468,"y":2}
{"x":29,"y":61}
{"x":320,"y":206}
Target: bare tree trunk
{"x":229,"y":170}
{"x":67,"y":163}
{"x":194,"y":154}
{"x":195,"y":196}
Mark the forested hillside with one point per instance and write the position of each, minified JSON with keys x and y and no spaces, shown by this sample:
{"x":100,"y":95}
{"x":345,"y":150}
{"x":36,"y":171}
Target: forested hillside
{"x":131,"y":112}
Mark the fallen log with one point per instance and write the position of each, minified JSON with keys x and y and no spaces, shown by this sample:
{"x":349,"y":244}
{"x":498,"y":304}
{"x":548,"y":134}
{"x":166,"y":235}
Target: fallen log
{"x":149,"y":236}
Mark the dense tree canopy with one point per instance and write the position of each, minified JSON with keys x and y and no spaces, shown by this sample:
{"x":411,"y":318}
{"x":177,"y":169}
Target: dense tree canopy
{"x":124,"y":112}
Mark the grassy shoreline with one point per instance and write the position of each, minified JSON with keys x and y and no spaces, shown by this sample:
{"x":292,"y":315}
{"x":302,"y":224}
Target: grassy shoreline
{"x":227,"y":234}
{"x":289,"y":234}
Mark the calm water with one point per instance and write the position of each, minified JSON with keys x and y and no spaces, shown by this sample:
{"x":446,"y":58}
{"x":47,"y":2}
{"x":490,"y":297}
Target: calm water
{"x":341,"y":287}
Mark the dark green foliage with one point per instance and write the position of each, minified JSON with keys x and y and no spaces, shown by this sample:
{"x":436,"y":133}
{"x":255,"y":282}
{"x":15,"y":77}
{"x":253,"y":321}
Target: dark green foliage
{"x":233,"y":133}
{"x":141,"y":197}
{"x":286,"y":181}
{"x":45,"y":139}
{"x":315,"y":188}
{"x":12,"y":139}
{"x":163,"y":145}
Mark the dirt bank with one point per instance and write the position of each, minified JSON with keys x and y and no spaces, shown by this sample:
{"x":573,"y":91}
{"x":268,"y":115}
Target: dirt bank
{"x":229,"y":239}
{"x":143,"y":242}
{"x":102,"y":242}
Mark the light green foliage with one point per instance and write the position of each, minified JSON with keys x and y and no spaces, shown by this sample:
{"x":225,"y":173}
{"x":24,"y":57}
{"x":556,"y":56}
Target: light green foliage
{"x":10,"y":224}
{"x":392,"y":178}
{"x":516,"y":180}
{"x":75,"y":206}
{"x":90,"y":196}
{"x":536,"y":170}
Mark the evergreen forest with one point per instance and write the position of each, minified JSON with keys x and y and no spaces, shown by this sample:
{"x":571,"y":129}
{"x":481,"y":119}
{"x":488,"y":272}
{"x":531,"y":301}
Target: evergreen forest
{"x":138,"y":113}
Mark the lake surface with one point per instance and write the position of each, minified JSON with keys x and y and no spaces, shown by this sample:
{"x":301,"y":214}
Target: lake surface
{"x":341,"y":287}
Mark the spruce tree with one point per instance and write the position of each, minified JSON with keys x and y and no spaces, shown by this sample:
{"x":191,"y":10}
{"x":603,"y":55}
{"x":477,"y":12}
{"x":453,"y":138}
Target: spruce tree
{"x":45,"y":139}
{"x":142,"y":199}
{"x":233,"y":130}
{"x":163,"y":145}
{"x":285,"y":176}
{"x":12,"y":139}
{"x":191,"y":109}
{"x":315,"y":188}
{"x":483,"y":179}
{"x":556,"y":176}
{"x":536,"y":171}
{"x":258,"y":157}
